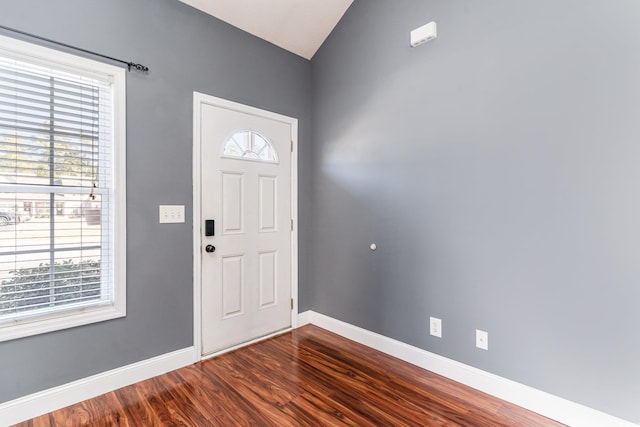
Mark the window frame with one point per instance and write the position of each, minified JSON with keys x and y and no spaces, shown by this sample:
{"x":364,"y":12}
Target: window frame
{"x":55,"y":321}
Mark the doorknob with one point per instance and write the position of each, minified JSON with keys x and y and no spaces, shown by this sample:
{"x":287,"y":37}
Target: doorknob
{"x":210,"y":248}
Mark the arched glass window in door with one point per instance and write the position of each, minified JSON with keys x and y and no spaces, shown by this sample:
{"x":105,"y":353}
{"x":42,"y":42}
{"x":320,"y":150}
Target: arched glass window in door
{"x":249,"y":145}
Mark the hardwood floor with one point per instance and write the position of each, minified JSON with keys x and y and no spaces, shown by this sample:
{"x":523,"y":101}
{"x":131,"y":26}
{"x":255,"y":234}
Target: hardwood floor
{"x":308,"y":377}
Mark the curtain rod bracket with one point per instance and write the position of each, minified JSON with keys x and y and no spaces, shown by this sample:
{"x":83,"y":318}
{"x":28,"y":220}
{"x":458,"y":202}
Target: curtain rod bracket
{"x":138,"y":67}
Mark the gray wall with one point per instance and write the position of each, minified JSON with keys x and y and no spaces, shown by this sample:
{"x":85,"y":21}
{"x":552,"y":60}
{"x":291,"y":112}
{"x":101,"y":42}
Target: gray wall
{"x":497,"y":170}
{"x":186,"y":51}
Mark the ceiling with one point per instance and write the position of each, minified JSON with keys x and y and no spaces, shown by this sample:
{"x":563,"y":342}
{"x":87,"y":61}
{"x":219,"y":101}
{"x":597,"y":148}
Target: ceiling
{"x":299,"y":26}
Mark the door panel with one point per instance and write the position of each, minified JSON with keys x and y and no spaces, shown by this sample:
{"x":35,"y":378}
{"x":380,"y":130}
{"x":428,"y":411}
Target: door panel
{"x":232,"y":286}
{"x":246,"y":282}
{"x":268,"y":279}
{"x":268,"y":204}
{"x":232,"y":203}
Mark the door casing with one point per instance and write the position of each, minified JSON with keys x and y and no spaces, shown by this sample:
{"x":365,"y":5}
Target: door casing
{"x":198,"y":100}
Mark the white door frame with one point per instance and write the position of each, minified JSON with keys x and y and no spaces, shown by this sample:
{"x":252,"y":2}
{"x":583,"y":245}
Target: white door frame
{"x":198,"y":100}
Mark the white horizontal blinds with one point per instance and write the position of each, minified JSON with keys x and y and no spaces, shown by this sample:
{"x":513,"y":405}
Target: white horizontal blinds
{"x":55,"y":191}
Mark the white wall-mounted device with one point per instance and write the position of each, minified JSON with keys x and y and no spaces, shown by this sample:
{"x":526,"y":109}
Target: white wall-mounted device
{"x":171,"y":214}
{"x":424,"y":34}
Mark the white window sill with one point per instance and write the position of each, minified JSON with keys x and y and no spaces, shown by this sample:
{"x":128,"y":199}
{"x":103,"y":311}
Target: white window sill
{"x":59,"y":321}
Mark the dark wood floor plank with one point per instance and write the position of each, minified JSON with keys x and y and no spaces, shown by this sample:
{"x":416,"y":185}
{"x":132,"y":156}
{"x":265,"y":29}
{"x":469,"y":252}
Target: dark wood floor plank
{"x":246,"y":393}
{"x":210,"y":397}
{"x":443,"y":398}
{"x":404,"y":403}
{"x":321,"y":409}
{"x":308,"y":377}
{"x":135,"y":407}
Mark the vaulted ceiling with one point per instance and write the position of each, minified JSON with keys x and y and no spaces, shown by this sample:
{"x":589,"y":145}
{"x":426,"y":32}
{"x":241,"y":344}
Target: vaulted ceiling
{"x":299,"y":26}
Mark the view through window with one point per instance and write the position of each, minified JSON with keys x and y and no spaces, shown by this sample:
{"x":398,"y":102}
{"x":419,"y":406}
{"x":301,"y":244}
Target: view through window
{"x":56,"y":190}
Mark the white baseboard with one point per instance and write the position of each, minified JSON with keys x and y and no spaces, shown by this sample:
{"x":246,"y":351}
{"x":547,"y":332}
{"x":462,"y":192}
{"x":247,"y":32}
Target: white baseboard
{"x":304,"y":318}
{"x":550,"y":406}
{"x":36,"y":404}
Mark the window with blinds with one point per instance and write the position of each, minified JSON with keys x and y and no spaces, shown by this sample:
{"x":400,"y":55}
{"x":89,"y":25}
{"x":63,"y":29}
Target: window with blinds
{"x":61,"y":189}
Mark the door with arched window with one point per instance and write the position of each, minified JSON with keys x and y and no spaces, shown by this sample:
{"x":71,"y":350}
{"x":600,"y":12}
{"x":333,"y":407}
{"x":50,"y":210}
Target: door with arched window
{"x":246,"y":192}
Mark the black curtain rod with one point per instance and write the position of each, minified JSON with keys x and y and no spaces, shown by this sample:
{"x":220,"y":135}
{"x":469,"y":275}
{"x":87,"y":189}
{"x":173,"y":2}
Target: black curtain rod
{"x":129,"y":64}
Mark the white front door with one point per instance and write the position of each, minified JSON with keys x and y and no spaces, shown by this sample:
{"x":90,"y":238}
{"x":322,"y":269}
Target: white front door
{"x":246,"y":190}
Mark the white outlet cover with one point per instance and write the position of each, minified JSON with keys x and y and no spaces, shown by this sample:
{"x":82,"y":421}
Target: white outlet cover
{"x":482,"y":339}
{"x":435,"y":327}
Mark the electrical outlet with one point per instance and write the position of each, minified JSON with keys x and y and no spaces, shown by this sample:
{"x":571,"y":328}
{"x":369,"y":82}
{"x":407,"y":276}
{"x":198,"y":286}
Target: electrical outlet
{"x":482,"y":339}
{"x":435,"y":327}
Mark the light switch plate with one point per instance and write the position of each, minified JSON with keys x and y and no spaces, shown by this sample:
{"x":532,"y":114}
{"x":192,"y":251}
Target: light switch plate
{"x":171,"y":214}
